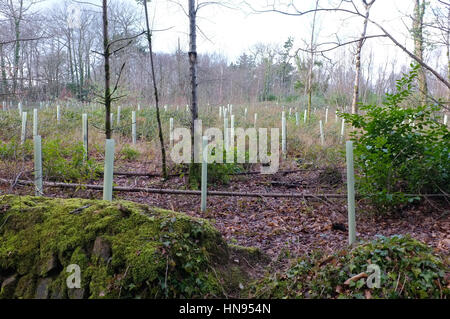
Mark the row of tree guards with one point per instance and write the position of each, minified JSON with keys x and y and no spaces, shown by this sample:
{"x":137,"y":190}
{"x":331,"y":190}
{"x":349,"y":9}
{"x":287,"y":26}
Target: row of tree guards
{"x":228,"y":129}
{"x":223,"y":111}
{"x":109,"y":163}
{"x":108,"y":175}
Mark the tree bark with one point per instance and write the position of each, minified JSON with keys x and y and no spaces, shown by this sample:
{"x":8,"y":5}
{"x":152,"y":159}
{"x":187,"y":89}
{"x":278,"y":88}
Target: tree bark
{"x":106,"y":56}
{"x":69,"y":49}
{"x":155,"y":89}
{"x":311,"y":64}
{"x":17,"y":21}
{"x":417,"y":31}
{"x":194,"y":172}
{"x":3,"y":71}
{"x":355,"y":99}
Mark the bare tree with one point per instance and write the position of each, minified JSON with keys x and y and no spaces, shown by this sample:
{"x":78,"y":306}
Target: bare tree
{"x":194,"y":171}
{"x":155,"y":90}
{"x":353,"y":10}
{"x":15,"y":11}
{"x":360,"y":43}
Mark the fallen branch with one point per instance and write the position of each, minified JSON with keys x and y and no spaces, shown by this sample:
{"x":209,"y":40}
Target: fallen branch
{"x":198,"y":193}
{"x":237,"y":173}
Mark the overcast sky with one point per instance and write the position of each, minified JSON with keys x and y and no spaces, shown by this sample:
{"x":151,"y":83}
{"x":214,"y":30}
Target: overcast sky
{"x":232,"y":32}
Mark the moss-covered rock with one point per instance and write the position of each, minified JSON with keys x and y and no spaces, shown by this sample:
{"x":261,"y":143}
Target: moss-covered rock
{"x":129,"y":250}
{"x":123,"y":249}
{"x":408,"y":269}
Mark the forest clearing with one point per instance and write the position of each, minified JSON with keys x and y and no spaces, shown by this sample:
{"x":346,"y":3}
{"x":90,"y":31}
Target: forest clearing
{"x":130,"y":174}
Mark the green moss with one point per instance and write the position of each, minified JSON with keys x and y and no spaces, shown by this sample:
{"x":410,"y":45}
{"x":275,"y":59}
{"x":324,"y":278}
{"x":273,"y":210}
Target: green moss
{"x":251,"y":255}
{"x":154,"y":252}
{"x":26,"y":287}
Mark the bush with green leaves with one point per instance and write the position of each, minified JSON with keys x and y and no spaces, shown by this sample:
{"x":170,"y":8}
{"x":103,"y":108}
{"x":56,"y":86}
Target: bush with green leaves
{"x":220,"y":172}
{"x":67,"y":163}
{"x":400,"y":150}
{"x":407,"y":269}
{"x":129,"y":153}
{"x":12,"y":150}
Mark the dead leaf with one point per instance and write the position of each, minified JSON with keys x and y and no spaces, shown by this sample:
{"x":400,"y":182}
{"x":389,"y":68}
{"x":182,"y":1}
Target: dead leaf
{"x":355,"y":278}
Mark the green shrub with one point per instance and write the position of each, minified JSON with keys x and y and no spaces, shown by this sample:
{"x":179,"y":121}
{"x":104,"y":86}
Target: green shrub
{"x":408,"y":269}
{"x":400,"y":150}
{"x":13,"y":150}
{"x":10,"y":125}
{"x":129,"y":153}
{"x":67,"y":163}
{"x":220,"y":172}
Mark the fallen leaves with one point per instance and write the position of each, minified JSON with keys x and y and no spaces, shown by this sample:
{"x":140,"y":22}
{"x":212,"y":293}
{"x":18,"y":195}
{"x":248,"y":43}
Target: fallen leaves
{"x":277,"y":224}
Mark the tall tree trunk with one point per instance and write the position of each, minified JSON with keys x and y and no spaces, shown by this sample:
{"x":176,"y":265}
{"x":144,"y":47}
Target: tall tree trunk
{"x":448,"y":46}
{"x":77,"y":78}
{"x":106,"y":55}
{"x":3,"y":71}
{"x":417,"y":31}
{"x":359,"y":46}
{"x":155,"y":90}
{"x":69,"y":49}
{"x":16,"y":53}
{"x":311,"y":63}
{"x":194,"y":171}
{"x":182,"y":97}
{"x":81,"y":68}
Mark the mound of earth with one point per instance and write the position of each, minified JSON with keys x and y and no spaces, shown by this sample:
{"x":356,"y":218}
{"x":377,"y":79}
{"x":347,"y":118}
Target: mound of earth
{"x":120,"y":249}
{"x":123,"y":249}
{"x":387,"y":267}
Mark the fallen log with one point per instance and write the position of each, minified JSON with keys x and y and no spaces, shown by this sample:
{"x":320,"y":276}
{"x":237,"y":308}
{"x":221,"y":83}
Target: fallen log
{"x":178,"y":191}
